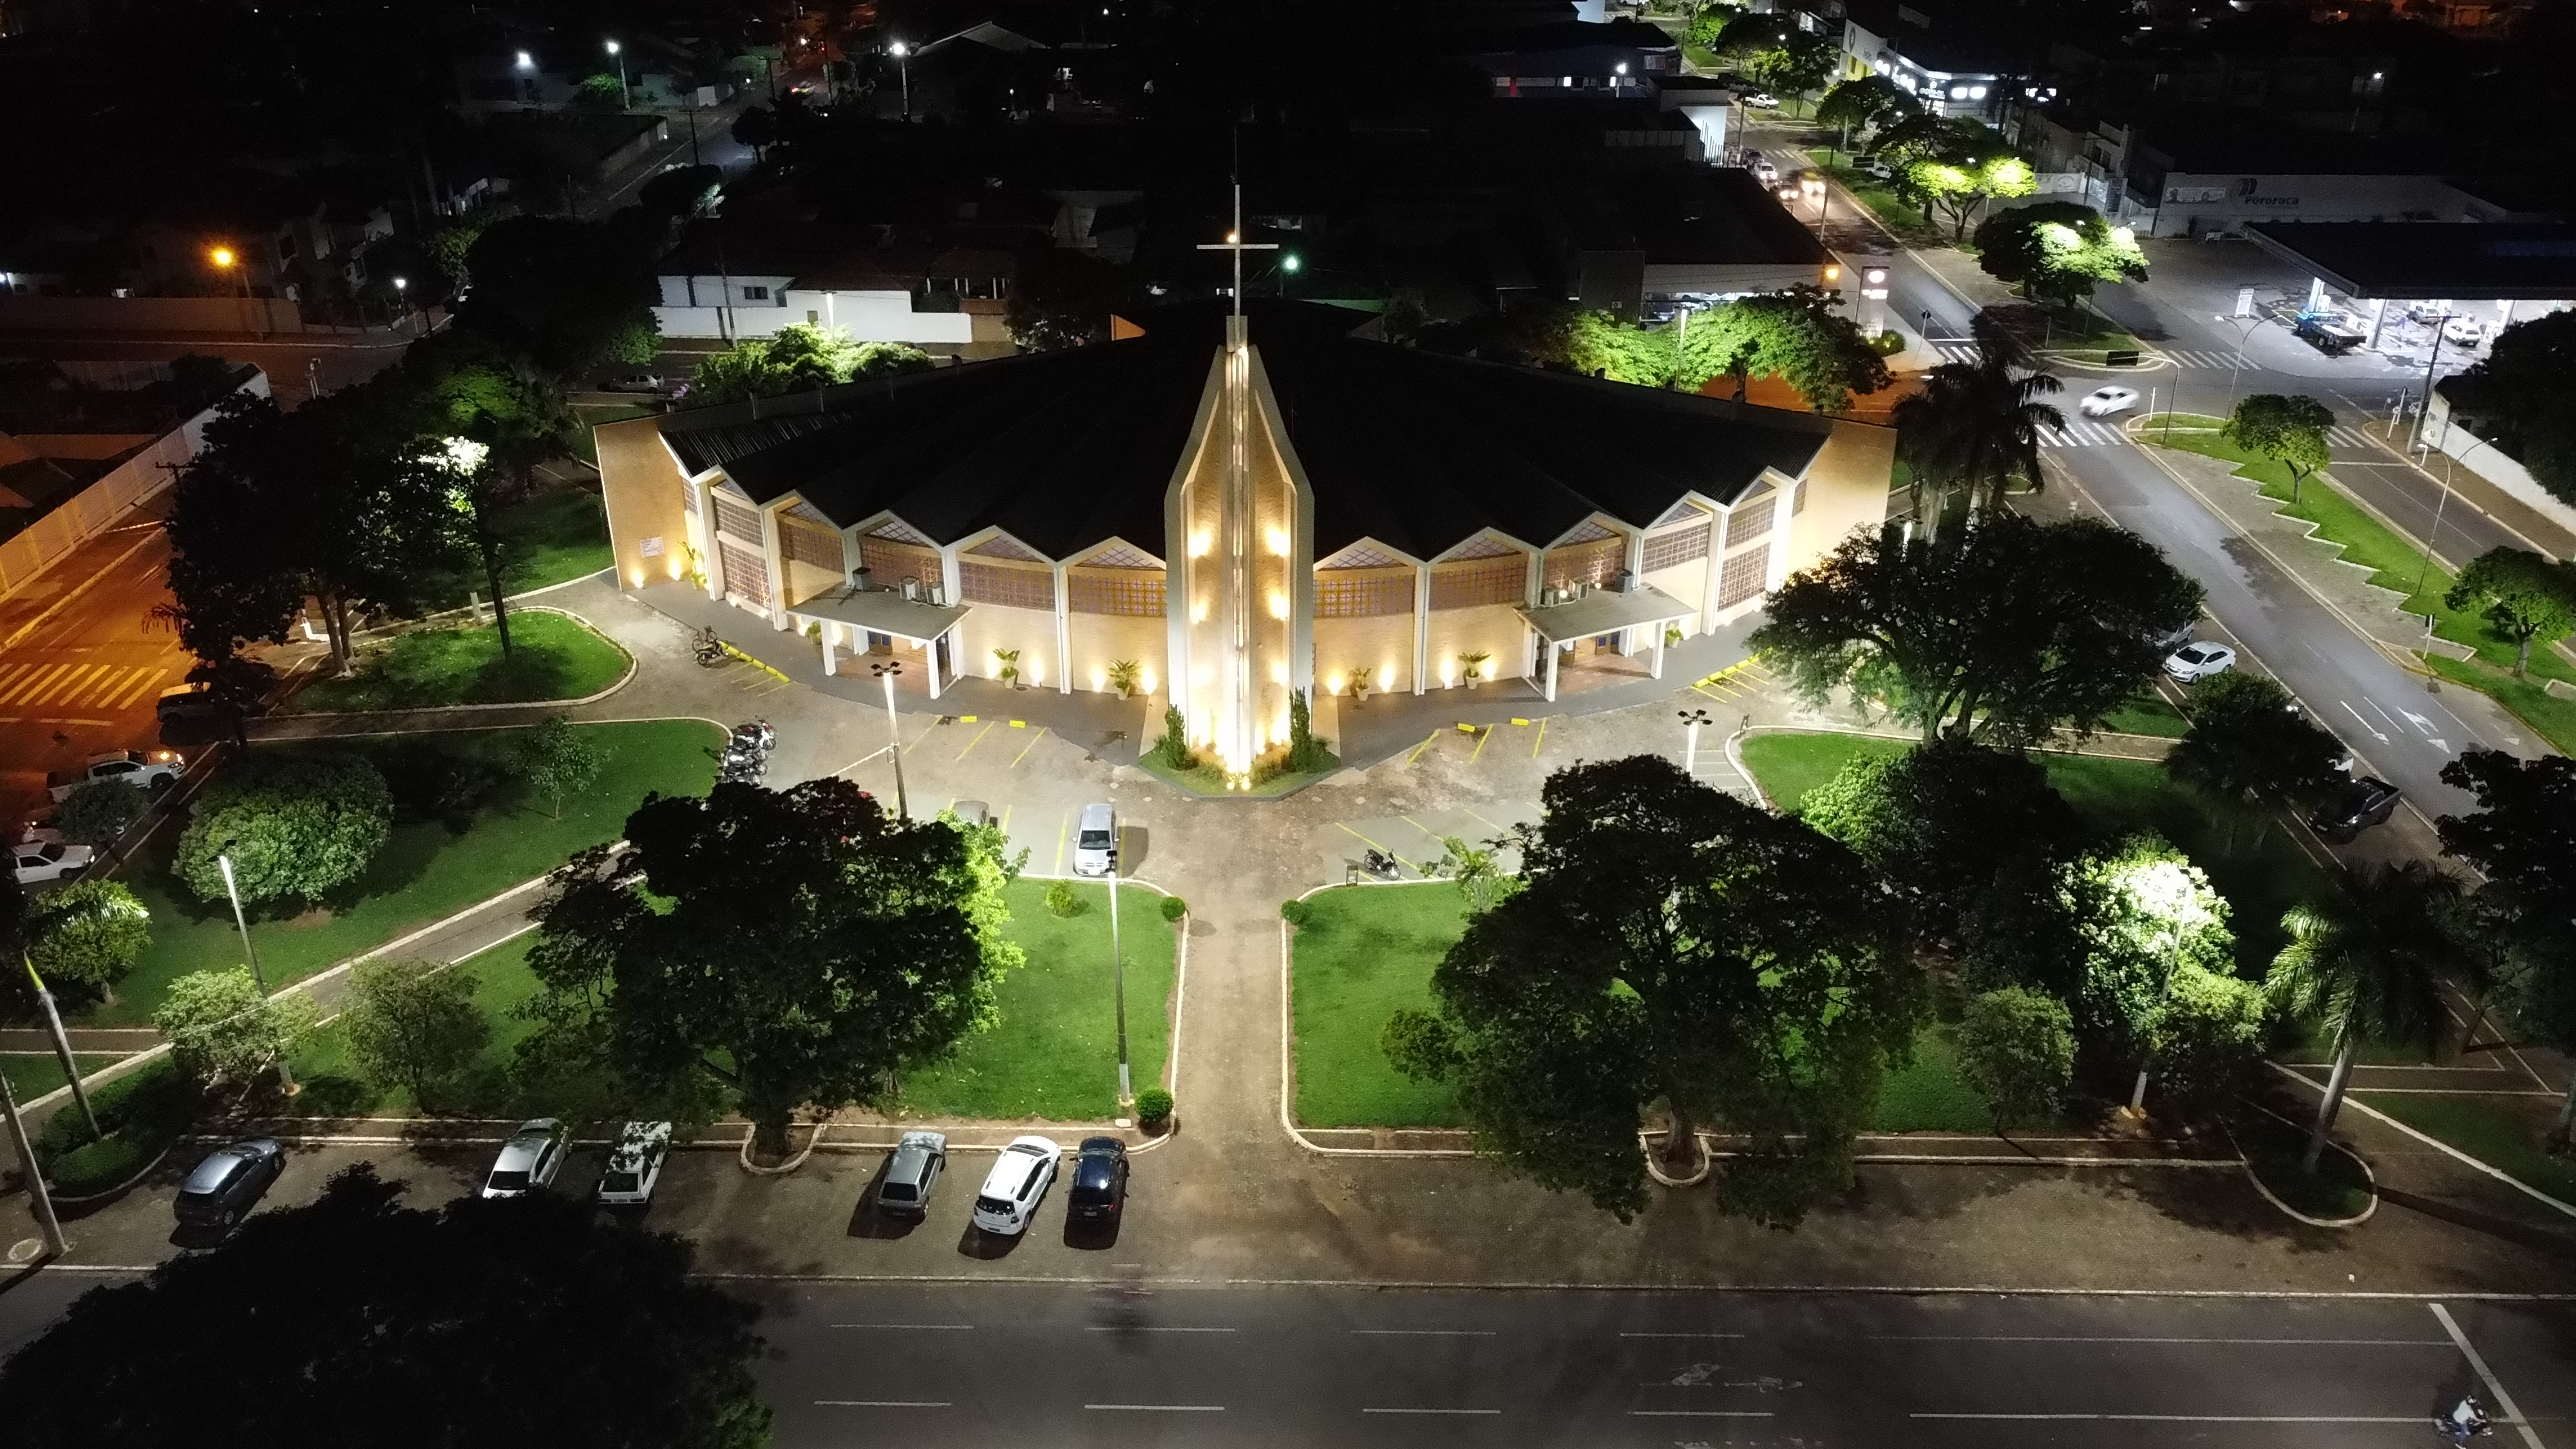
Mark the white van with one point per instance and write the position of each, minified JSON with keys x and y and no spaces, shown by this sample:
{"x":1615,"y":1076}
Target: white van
{"x":1095,"y":841}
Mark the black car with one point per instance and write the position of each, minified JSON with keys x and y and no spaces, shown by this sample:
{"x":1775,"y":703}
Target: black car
{"x":224,"y":1186}
{"x":2354,"y":806}
{"x":1099,"y":1181}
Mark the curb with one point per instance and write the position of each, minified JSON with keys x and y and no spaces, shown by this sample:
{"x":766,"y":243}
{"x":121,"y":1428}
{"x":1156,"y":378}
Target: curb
{"x":2437,"y":1144}
{"x":2354,"y":1221}
{"x":632,"y":664}
{"x":123,"y":1187}
{"x":1654,"y":1166}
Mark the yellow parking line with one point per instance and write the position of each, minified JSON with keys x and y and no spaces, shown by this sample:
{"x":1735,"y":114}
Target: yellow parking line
{"x":1425,"y":829}
{"x":1032,"y":744}
{"x":1480,"y":746}
{"x":1418,"y":749}
{"x":1362,"y":838}
{"x":1542,"y":739}
{"x":1006,"y":822}
{"x":971,"y":744}
{"x":1496,"y":828}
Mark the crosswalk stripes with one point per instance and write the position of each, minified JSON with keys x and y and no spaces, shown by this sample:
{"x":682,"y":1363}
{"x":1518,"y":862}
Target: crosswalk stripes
{"x":2344,"y":436}
{"x":2081,"y":433}
{"x":97,"y":686}
{"x":2199,"y":357}
{"x":1957,"y":351}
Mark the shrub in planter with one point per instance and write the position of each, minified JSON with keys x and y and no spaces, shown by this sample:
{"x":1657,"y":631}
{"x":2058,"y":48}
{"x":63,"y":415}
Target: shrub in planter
{"x":140,"y":1113}
{"x":1295,"y":912}
{"x":1173,"y":908}
{"x":95,"y":1167}
{"x":1154,"y":1108}
{"x":1062,"y":901}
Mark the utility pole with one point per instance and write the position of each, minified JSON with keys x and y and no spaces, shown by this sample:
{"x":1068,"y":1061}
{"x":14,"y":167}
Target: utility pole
{"x":894,"y":728}
{"x":37,"y":1193}
{"x":285,"y":1077}
{"x":1692,"y":719}
{"x":62,"y":1046}
{"x":1118,"y":969}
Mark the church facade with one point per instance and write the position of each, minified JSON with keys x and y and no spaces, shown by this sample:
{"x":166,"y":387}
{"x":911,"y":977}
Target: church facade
{"x":1226,"y":510}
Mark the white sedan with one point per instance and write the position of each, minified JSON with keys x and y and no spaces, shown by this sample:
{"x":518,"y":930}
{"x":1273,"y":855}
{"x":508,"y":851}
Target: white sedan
{"x":45,"y":856}
{"x":2199,"y":660}
{"x":2101,"y":402}
{"x":1012,"y":1190}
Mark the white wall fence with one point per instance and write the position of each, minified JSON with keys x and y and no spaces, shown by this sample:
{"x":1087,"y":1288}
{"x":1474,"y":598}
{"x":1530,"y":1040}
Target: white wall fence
{"x":99,"y":507}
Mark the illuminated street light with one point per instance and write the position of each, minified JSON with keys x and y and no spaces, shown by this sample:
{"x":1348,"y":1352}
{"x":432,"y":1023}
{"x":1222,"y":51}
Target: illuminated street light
{"x":902,"y":53}
{"x":887,"y":672}
{"x":1692,"y":719}
{"x":527,"y":61}
{"x":625,"y":97}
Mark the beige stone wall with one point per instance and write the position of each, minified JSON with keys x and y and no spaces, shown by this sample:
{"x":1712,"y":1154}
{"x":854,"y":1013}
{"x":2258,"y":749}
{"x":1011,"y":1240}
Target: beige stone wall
{"x":1846,"y":489}
{"x":1687,"y":582}
{"x":988,"y":627}
{"x":805,"y":580}
{"x":1101,"y":639}
{"x":642,"y":486}
{"x":1382,"y":644}
{"x":1496,"y":629}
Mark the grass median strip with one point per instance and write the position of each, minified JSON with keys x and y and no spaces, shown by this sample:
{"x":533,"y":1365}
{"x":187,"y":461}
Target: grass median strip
{"x":31,"y":1076}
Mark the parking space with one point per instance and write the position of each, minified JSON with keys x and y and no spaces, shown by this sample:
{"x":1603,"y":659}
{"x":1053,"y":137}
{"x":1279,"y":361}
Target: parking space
{"x":1415,"y":840}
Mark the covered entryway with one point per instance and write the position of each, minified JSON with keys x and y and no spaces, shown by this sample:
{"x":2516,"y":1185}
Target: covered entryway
{"x":1563,"y":627}
{"x":855,"y":620}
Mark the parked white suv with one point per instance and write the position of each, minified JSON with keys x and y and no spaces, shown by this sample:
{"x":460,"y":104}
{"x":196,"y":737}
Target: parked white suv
{"x":1095,"y":841}
{"x":1013,"y":1189}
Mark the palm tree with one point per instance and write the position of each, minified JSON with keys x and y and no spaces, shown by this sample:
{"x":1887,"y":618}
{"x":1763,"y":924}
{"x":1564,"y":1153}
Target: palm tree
{"x":2367,"y":961}
{"x":1975,"y":425}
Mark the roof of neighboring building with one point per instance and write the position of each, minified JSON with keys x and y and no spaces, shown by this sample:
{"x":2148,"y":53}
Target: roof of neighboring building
{"x":2198,"y":147}
{"x":1720,"y":216}
{"x":2409,"y":260}
{"x":1578,"y":34}
{"x":1420,"y":451}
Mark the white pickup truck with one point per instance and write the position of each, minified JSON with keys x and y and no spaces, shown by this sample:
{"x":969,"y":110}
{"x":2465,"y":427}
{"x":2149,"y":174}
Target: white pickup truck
{"x":143,"y":769}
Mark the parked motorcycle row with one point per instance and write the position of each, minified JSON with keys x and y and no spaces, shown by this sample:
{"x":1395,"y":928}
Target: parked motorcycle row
{"x":745,"y":759}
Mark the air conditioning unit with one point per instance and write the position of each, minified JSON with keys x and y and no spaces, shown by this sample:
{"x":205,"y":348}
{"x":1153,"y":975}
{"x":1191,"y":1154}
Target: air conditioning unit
{"x":912,"y":590}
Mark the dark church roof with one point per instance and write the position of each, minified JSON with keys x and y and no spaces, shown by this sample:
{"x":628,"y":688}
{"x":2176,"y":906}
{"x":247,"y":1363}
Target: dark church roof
{"x":1421,"y":451}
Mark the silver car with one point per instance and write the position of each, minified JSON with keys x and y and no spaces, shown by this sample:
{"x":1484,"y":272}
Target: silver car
{"x":634,"y":1165}
{"x":530,"y":1159}
{"x":910,"y":1174}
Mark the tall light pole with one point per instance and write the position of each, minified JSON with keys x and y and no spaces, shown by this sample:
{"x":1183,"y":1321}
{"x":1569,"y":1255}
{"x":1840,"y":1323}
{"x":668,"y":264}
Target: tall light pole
{"x":228,"y":260}
{"x":2432,"y":360}
{"x":886,"y":672}
{"x":625,"y":97}
{"x":62,"y":1046}
{"x":1822,"y":194}
{"x":285,"y":1078}
{"x":402,"y":302}
{"x":902,"y":54}
{"x":40,"y":1195}
{"x":1118,"y":972}
{"x":1692,"y":719}
{"x":2244,"y":333}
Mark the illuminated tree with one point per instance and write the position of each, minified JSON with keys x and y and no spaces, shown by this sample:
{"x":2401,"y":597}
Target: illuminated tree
{"x":2291,"y":431}
{"x":2057,"y":252}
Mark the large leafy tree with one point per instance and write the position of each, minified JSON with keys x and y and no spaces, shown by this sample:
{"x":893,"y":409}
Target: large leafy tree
{"x":1941,"y":822}
{"x":2057,"y":252}
{"x":486,"y":419}
{"x":90,"y":931}
{"x":2140,"y":913}
{"x":1799,"y":63}
{"x":524,"y":1321}
{"x":2365,"y":963}
{"x":796,"y":947}
{"x":295,"y":827}
{"x":221,"y":1029}
{"x":2289,"y":429}
{"x":413,"y":1023}
{"x":2250,"y":748}
{"x":1974,"y":427}
{"x":571,"y":296}
{"x":2523,"y":836}
{"x":2009,"y":631}
{"x":1859,"y":105}
{"x":2529,"y":598}
{"x":1795,"y":335}
{"x":1059,"y":298}
{"x":1671,"y":944}
{"x":798,"y":357}
{"x":2519,"y":392}
{"x":1955,"y":165}
{"x":2536,"y":989}
{"x":2017,"y":1047}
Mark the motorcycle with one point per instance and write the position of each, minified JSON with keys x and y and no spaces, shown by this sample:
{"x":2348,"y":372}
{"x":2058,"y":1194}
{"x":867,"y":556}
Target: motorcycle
{"x":709,"y":649}
{"x":2466,"y":1420}
{"x":1381,"y":864}
{"x":757,"y":735}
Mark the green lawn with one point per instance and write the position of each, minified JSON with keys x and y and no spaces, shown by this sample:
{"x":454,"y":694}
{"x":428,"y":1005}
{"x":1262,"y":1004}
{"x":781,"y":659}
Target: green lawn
{"x":549,"y":538}
{"x":2273,"y":1148}
{"x":1364,"y":952}
{"x":431,"y":868}
{"x":334,"y":1087}
{"x":1207,"y":779}
{"x":2150,"y":714}
{"x":2488,"y":1131}
{"x":552,"y":656}
{"x":31,"y":1077}
{"x":2261,"y":876}
{"x":1055,"y":1052}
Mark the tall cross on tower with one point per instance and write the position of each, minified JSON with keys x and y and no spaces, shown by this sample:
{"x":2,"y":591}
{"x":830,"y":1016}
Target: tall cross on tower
{"x":1235,"y":243}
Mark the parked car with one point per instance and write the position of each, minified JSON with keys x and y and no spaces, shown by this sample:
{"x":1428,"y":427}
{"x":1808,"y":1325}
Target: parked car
{"x":2101,"y":402}
{"x":919,"y":1158}
{"x":2199,"y":660}
{"x":225,"y":1185}
{"x":186,"y":702}
{"x":1099,"y":1188}
{"x":1763,"y":101}
{"x":1015,"y":1186}
{"x":1095,"y":841}
{"x":2463,"y":332}
{"x":632,"y":382}
{"x":1872,"y":166}
{"x":142,"y":769}
{"x":634,"y":1164}
{"x":45,"y":856}
{"x":2354,"y":806}
{"x":971,"y":813}
{"x":530,"y":1159}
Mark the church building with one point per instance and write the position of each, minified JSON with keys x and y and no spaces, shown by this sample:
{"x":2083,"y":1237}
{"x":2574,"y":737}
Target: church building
{"x":1227,"y":509}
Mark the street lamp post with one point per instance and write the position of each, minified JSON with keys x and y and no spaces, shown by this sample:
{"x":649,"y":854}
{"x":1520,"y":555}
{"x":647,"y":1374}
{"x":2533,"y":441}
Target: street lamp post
{"x":40,"y":1196}
{"x":228,"y":260}
{"x":902,"y":54}
{"x":402,"y":302}
{"x":285,"y":1078}
{"x":62,"y":1045}
{"x":1692,"y":719}
{"x":2244,"y":332}
{"x":886,"y":672}
{"x":1118,"y":973}
{"x":625,"y":97}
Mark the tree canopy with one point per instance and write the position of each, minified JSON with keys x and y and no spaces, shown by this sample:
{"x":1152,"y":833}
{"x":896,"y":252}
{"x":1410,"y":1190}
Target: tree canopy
{"x":571,"y":295}
{"x":2519,"y":392}
{"x":2290,"y":430}
{"x":1059,"y":298}
{"x":413,"y":1023}
{"x":2523,"y":836}
{"x":90,"y":931}
{"x":1954,"y":164}
{"x":1794,"y":335}
{"x":1670,"y":943}
{"x":1974,"y":427}
{"x":2529,"y":598}
{"x":296,"y":826}
{"x":2010,"y":630}
{"x":2365,"y":963}
{"x":1940,"y":822}
{"x":222,"y":1030}
{"x":798,"y":946}
{"x":1870,"y":101}
{"x":2057,"y":252}
{"x":531,"y":1320}
{"x":798,"y":357}
{"x":2250,"y":746}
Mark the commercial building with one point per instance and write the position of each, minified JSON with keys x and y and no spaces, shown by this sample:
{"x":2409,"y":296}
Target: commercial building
{"x":1229,"y":509}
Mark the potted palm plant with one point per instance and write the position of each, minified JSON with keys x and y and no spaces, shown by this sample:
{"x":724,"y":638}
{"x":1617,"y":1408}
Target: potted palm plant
{"x":1475,"y":666}
{"x":1009,"y":659}
{"x":1123,"y":676}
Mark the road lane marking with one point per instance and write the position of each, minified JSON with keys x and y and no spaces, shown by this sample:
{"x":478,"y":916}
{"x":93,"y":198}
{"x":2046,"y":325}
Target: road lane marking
{"x":1159,"y":1328}
{"x":2495,"y":1388}
{"x":2121,"y":1338}
{"x":75,"y":592}
{"x":142,"y":686}
{"x":1432,"y":1411}
{"x":1423,"y":1332}
{"x":1681,"y":1335}
{"x":2189,"y":1418}
{"x":1031,"y":745}
{"x":2357,"y":719}
{"x":1701,"y":1414}
{"x":882,"y":1403}
{"x":1157,"y":1408}
{"x":24,"y":690}
{"x":1540,"y":740}
{"x":1062,"y":824}
{"x":979,"y":739}
{"x":1418,"y":749}
{"x":914,"y":1327}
